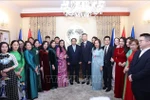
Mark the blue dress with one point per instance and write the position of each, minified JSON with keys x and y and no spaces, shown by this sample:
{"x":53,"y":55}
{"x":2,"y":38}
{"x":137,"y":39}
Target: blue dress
{"x":97,"y":62}
{"x":32,"y":90}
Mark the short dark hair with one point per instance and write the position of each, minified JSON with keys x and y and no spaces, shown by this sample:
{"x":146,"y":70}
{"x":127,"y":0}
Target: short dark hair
{"x":107,"y":37}
{"x":47,"y":37}
{"x":56,"y":37}
{"x":84,"y":34}
{"x":73,"y":39}
{"x":146,"y":36}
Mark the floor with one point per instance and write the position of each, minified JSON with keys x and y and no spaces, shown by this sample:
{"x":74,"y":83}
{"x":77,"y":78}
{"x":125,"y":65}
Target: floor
{"x":75,"y":92}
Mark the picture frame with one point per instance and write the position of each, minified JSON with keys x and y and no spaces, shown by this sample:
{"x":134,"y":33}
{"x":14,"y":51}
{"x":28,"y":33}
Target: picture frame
{"x":5,"y":36}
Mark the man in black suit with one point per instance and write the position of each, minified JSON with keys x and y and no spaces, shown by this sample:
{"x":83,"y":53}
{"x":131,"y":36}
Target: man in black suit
{"x":74,"y":59}
{"x":107,"y":69}
{"x":139,"y":72}
{"x":86,"y":49}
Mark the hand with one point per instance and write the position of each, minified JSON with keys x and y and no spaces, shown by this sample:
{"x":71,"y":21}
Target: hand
{"x":80,"y":62}
{"x":53,"y":67}
{"x":112,"y":60}
{"x":130,"y":78}
{"x":89,"y":62}
{"x":3,"y":74}
{"x":18,"y":73}
{"x":123,"y":64}
{"x":41,"y":68}
{"x":65,"y":56}
{"x":36,"y":70}
{"x":68,"y":63}
{"x":6,"y":70}
{"x":101,"y":68}
{"x":120,"y":64}
{"x":125,"y":69}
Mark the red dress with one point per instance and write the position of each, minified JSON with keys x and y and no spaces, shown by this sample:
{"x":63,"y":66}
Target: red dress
{"x":44,"y":61}
{"x":128,"y":92}
{"x":119,"y":56}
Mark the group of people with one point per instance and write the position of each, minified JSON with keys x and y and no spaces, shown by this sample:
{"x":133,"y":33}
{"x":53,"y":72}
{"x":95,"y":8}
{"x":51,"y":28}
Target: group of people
{"x":45,"y":66}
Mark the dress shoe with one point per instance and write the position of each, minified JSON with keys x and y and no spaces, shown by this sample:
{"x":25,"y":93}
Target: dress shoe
{"x":104,"y":87}
{"x":78,"y":82}
{"x":88,"y":82}
{"x":83,"y":82}
{"x":71,"y":83}
{"x":107,"y":90}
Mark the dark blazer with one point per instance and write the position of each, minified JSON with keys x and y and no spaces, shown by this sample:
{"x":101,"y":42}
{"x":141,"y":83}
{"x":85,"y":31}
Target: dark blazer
{"x":140,"y":70}
{"x":86,"y":52}
{"x":107,"y":57}
{"x":74,"y":57}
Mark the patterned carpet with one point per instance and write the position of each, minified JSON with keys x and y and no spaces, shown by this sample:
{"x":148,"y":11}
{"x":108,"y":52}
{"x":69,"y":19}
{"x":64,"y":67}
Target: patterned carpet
{"x":74,"y":92}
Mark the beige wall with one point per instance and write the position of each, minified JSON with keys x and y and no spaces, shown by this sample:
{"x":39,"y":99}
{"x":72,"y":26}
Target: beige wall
{"x":14,"y":21}
{"x":136,"y":19}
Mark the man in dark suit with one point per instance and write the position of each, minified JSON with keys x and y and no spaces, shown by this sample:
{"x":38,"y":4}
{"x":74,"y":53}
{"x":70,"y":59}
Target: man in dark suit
{"x":139,"y":72}
{"x":74,"y":59}
{"x":86,"y":49}
{"x":107,"y":69}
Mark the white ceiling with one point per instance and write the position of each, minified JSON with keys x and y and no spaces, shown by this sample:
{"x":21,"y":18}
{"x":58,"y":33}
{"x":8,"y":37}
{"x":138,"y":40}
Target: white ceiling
{"x":36,"y":4}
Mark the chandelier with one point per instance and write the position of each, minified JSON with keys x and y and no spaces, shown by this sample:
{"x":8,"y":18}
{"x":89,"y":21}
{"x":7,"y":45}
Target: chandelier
{"x":83,"y":8}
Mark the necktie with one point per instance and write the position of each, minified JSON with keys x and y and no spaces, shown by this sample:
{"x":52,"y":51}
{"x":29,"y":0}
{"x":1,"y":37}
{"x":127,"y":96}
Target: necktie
{"x":84,"y":45}
{"x":105,"y":50}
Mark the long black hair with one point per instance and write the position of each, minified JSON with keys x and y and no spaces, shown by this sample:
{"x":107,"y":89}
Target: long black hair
{"x":43,"y":45}
{"x":19,"y":50}
{"x":50,"y":45}
{"x":35,"y":42}
{"x":2,"y":44}
{"x":26,"y":44}
{"x":125,"y":47}
{"x":114,"y":43}
{"x":63,"y":46}
{"x":129,"y":38}
{"x":99,"y":41}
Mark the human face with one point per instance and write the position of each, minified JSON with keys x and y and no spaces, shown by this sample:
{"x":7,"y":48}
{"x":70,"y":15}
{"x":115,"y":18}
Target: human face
{"x":128,"y":43}
{"x":53,"y":45}
{"x":62,"y":43}
{"x":93,"y":40}
{"x":106,"y":41}
{"x":21,"y":44}
{"x":121,"y":43}
{"x":57,"y":40}
{"x":45,"y":46}
{"x":4,"y":48}
{"x":28,"y":46}
{"x":116,"y":42}
{"x":31,"y":40}
{"x":47,"y":39}
{"x":73,"y":42}
{"x":96,"y":44}
{"x":134,"y":46}
{"x":37,"y":44}
{"x":15,"y":46}
{"x":143,"y":43}
{"x":84,"y":38}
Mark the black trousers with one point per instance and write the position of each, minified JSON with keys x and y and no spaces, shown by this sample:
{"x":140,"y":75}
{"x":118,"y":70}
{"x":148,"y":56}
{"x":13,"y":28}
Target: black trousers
{"x":74,"y":68}
{"x":86,"y":70}
{"x":140,"y":95}
{"x":54,"y":78}
{"x":107,"y":76}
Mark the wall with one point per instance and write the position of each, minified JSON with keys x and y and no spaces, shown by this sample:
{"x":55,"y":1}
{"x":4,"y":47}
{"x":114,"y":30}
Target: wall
{"x":14,"y":20}
{"x":136,"y":19}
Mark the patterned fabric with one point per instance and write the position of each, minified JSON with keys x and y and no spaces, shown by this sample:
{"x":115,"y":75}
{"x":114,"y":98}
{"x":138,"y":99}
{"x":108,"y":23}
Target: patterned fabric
{"x":62,"y":68}
{"x":6,"y":61}
{"x":105,"y":24}
{"x":47,"y":26}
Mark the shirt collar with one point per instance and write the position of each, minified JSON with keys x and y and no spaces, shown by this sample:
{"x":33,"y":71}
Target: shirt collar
{"x":144,"y":50}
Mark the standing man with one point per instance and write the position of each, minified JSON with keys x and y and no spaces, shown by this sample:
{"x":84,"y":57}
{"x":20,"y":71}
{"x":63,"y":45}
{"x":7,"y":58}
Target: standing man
{"x":86,"y":53}
{"x":74,"y":60}
{"x":48,"y":39}
{"x":107,"y":69}
{"x":139,"y":72}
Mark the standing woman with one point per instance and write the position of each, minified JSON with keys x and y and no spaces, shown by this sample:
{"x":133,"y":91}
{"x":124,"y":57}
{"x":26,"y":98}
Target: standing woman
{"x":19,"y":70}
{"x":45,"y":66}
{"x":31,"y":72}
{"x":8,"y":63}
{"x":62,"y":64}
{"x":120,"y":59}
{"x":134,"y":46}
{"x":21,"y":45}
{"x":54,"y":66}
{"x":97,"y":65}
{"x":37,"y":62}
{"x":93,"y":39}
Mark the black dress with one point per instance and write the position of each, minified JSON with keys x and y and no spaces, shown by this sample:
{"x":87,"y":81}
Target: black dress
{"x":6,"y":61}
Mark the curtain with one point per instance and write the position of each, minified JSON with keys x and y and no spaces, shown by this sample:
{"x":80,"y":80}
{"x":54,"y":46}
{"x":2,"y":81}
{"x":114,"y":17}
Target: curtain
{"x":105,"y":24}
{"x":47,"y":26}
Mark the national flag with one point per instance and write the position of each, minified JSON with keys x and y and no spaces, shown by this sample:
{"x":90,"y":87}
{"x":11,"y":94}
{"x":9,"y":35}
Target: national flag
{"x":112,"y":37}
{"x":132,"y":33}
{"x":29,"y":33}
{"x":39,"y":37}
{"x":123,"y":32}
{"x":20,"y":35}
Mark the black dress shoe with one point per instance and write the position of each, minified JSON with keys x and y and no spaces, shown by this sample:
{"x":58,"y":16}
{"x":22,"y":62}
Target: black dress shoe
{"x":88,"y":82}
{"x":71,"y":83}
{"x":78,"y":82}
{"x":83,"y":82}
{"x":104,"y":87}
{"x":107,"y":90}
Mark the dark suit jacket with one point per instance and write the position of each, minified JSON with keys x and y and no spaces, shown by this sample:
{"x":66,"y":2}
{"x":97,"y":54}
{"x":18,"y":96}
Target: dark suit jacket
{"x":140,"y":70}
{"x":86,"y":52}
{"x":107,"y":57}
{"x":74,"y":57}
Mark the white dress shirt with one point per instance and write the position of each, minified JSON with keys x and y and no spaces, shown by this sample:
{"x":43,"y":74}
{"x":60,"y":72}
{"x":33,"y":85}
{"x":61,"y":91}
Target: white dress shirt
{"x":143,"y":51}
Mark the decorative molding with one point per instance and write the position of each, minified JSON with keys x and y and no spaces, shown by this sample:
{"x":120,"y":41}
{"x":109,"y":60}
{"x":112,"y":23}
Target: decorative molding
{"x":61,"y":14}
